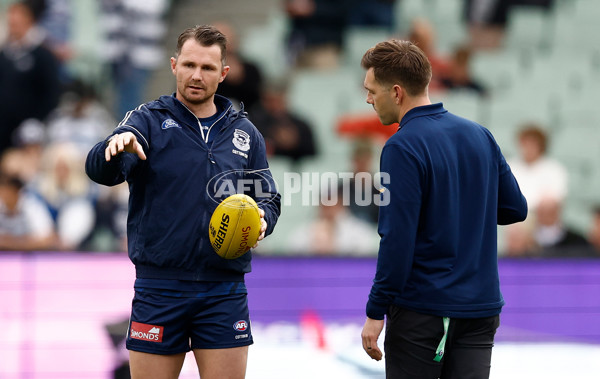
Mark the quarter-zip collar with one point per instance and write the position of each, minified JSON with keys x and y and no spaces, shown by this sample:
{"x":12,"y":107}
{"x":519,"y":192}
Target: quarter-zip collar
{"x":424,"y":110}
{"x":183,"y":113}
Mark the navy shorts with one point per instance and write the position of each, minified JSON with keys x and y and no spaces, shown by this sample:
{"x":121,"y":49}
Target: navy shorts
{"x":161,"y":324}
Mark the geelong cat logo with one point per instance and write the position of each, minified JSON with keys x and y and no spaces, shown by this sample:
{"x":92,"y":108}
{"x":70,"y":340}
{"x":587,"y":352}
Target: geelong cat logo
{"x":241,"y":140}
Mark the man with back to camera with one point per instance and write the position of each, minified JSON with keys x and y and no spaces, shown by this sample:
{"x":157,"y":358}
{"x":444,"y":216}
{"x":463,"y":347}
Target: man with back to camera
{"x":437,"y":271}
{"x":186,"y":296}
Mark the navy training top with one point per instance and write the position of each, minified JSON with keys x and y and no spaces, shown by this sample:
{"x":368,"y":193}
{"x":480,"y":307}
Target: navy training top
{"x":449,"y":186}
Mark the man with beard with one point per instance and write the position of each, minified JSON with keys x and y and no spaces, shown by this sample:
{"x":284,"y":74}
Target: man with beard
{"x":168,"y":150}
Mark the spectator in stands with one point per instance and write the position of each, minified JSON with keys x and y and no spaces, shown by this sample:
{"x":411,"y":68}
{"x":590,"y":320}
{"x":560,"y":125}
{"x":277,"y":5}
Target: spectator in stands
{"x":552,"y":235}
{"x":80,"y":119}
{"x":29,"y":141}
{"x":55,"y":19}
{"x":422,"y":34}
{"x":458,"y":73}
{"x":372,"y":14}
{"x":64,"y":188}
{"x":29,"y":72}
{"x":286,"y":134}
{"x":335,"y":231}
{"x":133,"y":34}
{"x":362,"y":164}
{"x":519,"y":242}
{"x":110,"y":224}
{"x":25,"y":223}
{"x":244,"y":80}
{"x":540,"y":177}
{"x":487,"y":20}
{"x":594,"y":233}
{"x":316,"y":32}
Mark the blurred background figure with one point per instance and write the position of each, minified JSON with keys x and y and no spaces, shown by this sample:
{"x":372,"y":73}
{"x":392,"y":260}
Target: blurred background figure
{"x":286,"y":133}
{"x":458,"y":75}
{"x":133,"y":32}
{"x":67,"y":193}
{"x":55,"y":19}
{"x":594,"y":232}
{"x":25,"y":223}
{"x":80,"y":119}
{"x":244,"y":79}
{"x":29,"y":140}
{"x":29,"y":73}
{"x":335,"y":231}
{"x":554,"y":238}
{"x":487,"y":21}
{"x":519,"y":242}
{"x":316,"y":35}
{"x":422,"y":34}
{"x":363,"y":186}
{"x":372,"y":14}
{"x":540,"y":178}
{"x":539,"y":175}
{"x":109,"y":232}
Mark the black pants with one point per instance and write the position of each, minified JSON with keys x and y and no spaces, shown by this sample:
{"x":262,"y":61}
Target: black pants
{"x":411,"y":340}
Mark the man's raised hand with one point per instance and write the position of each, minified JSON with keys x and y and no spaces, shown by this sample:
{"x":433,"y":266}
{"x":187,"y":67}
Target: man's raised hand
{"x":123,"y":142}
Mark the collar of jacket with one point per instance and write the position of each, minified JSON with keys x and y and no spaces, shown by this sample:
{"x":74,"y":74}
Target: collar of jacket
{"x":424,"y":110}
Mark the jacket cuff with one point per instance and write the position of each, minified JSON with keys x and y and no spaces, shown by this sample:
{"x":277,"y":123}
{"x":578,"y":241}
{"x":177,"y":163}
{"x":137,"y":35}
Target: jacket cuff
{"x":376,"y":311}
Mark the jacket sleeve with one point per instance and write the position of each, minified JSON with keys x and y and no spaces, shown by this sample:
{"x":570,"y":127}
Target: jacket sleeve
{"x":512,"y":206}
{"x":398,"y":221}
{"x":268,"y":198}
{"x":123,"y":166}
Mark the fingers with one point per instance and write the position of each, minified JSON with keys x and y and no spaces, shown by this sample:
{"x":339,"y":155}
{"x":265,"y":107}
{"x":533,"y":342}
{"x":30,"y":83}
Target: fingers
{"x":140,"y":151}
{"x":263,"y":224}
{"x":375,"y":353}
{"x":371,"y":348}
{"x":369,"y":336}
{"x":263,"y":227}
{"x":123,"y":142}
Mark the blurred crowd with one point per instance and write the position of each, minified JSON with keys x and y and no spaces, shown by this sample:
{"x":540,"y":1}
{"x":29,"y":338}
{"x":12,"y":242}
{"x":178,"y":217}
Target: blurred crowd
{"x":51,"y":118}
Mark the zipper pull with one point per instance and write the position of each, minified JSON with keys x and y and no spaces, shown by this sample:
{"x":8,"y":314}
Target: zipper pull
{"x":210,"y":157}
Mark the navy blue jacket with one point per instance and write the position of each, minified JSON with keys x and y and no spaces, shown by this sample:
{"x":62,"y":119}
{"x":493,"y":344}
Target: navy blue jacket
{"x":449,"y":188}
{"x":172,"y":192}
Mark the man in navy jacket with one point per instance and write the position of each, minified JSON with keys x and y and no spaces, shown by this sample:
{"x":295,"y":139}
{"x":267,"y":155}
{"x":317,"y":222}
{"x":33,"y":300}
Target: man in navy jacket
{"x":180,"y":155}
{"x":437,"y":272}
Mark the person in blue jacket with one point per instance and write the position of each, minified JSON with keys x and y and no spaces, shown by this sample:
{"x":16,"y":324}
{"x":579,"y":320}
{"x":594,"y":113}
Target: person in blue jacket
{"x":181,"y":155}
{"x":449,"y":186}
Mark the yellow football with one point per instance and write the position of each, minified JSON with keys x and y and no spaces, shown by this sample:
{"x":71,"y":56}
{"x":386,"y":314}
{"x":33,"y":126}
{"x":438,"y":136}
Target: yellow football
{"x":234,"y":226}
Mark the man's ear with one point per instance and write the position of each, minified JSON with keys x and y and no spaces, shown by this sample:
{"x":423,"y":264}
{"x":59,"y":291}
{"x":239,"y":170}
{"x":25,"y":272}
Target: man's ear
{"x":398,"y":93}
{"x":224,"y":73}
{"x":173,"y":64}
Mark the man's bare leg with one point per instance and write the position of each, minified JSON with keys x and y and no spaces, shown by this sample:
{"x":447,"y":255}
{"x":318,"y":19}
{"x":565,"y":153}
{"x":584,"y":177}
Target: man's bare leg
{"x":222,"y":363}
{"x":155,"y":366}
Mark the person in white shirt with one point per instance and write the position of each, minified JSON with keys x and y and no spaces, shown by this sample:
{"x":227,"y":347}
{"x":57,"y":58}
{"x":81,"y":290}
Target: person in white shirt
{"x":539,"y":175}
{"x":25,"y":222}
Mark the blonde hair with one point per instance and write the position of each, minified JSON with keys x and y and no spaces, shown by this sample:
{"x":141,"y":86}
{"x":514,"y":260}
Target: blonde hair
{"x":52,"y":185}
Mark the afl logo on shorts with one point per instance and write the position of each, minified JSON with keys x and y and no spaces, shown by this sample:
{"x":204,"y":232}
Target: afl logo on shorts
{"x":240,"y":326}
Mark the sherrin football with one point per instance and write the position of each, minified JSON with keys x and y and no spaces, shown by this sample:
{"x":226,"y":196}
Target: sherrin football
{"x":234,"y":226}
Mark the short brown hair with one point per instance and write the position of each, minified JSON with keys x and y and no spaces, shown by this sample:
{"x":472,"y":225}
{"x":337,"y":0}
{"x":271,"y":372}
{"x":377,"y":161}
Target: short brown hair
{"x":399,"y":62}
{"x":205,"y":35}
{"x":535,"y":132}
